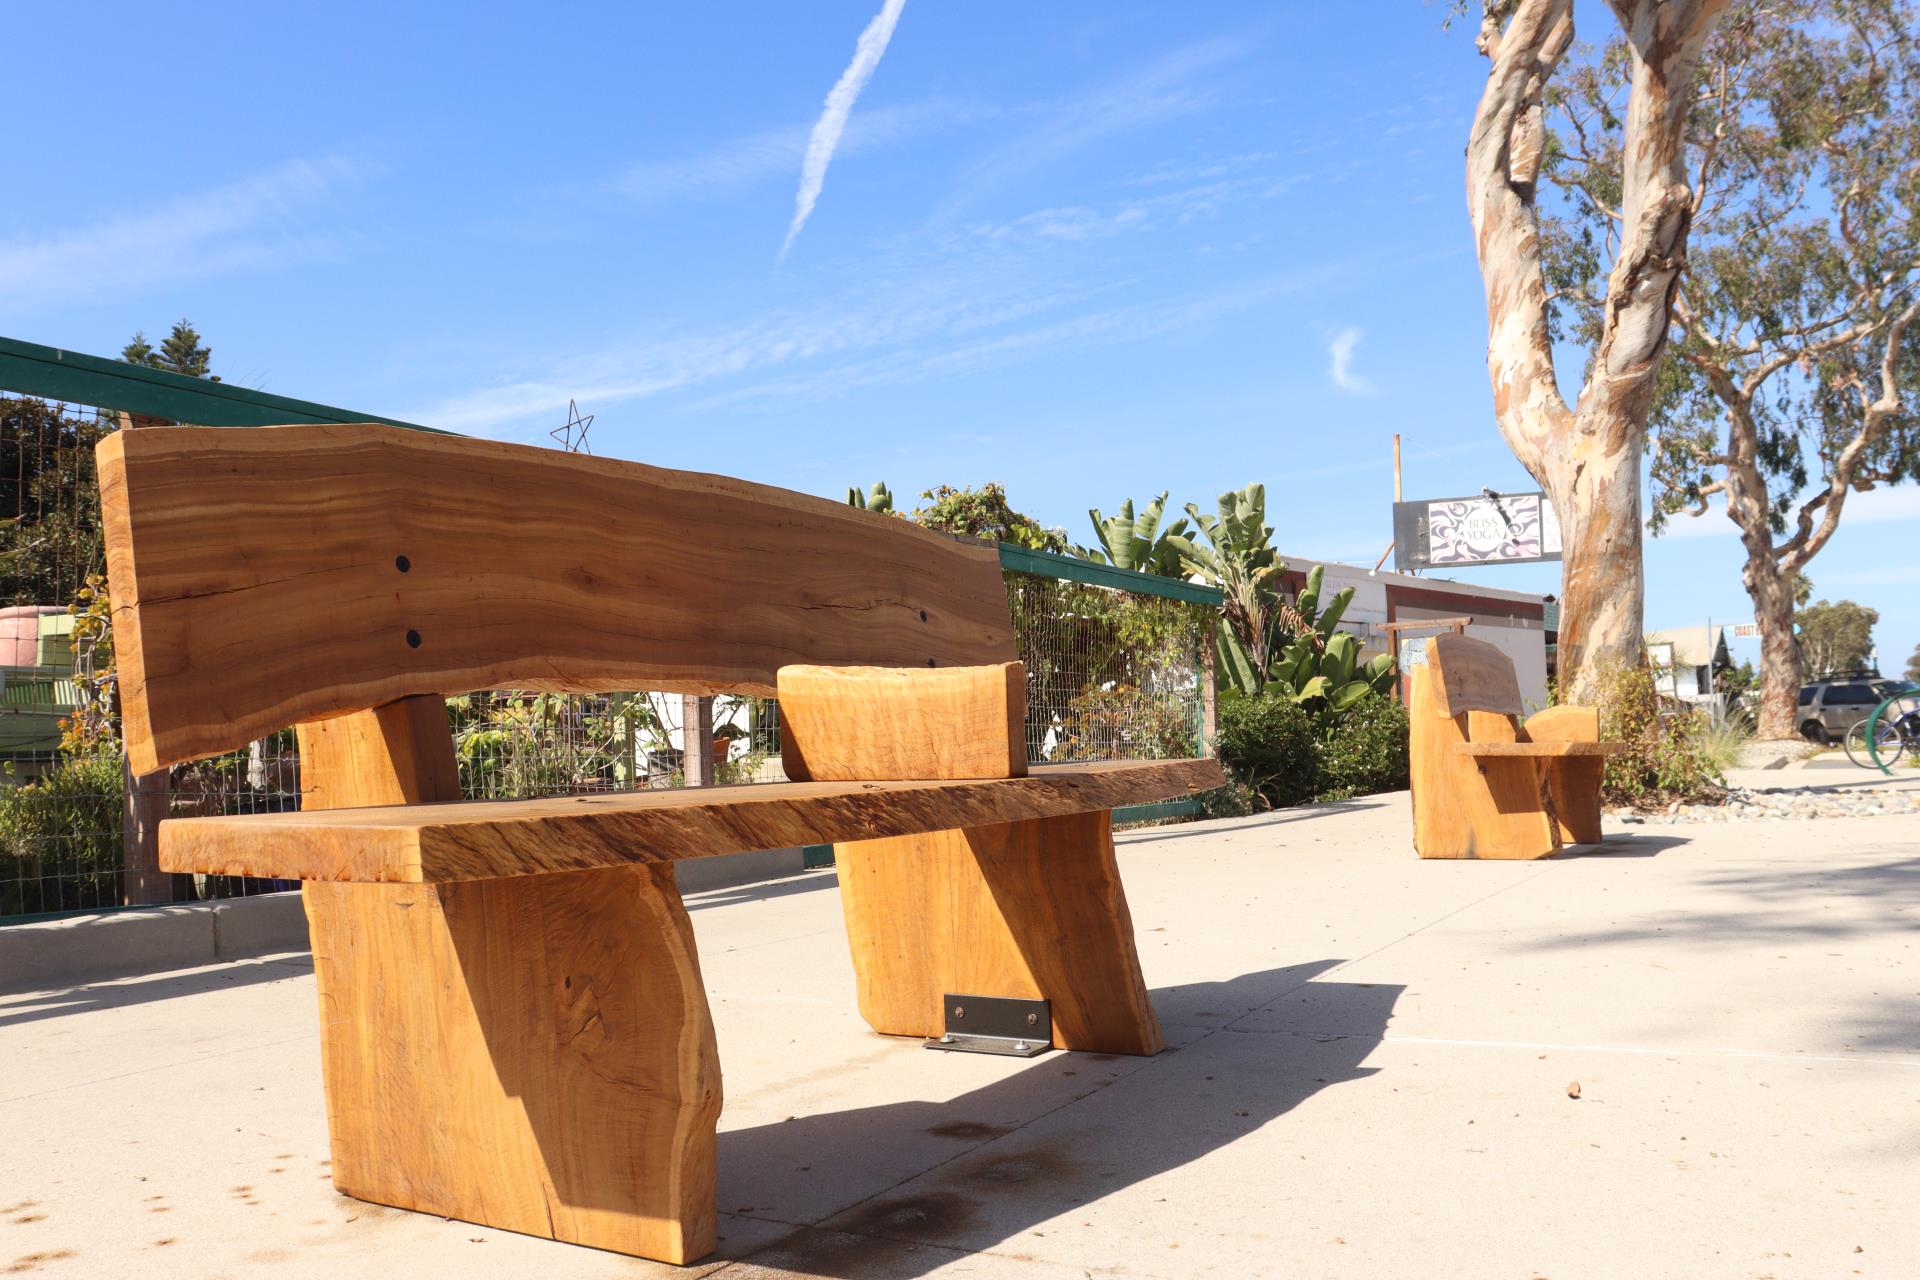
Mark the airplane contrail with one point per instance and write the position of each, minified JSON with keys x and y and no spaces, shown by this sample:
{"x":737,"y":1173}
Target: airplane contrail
{"x":833,"y":117}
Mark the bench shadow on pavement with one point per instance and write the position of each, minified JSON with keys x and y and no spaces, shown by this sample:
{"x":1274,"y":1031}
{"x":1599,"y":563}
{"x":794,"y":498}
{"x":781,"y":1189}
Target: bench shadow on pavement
{"x":927,"y":1181}
{"x":118,"y":993}
{"x":1618,"y":845}
{"x":1214,"y":828}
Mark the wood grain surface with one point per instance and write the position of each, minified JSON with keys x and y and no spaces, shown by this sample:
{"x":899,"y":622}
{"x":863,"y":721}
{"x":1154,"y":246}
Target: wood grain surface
{"x":1029,"y":910}
{"x":478,"y":839}
{"x":1541,"y":750}
{"x":900,"y":723}
{"x":267,"y":576}
{"x":535,"y":1054}
{"x":1574,"y":784}
{"x":1472,"y":675}
{"x":1465,"y":807}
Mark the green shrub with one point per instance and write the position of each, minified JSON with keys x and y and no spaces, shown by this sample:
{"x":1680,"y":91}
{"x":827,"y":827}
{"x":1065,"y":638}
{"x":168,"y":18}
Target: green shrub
{"x":1363,"y":751}
{"x":1671,"y":752}
{"x":1281,"y":754}
{"x":60,"y":837}
{"x":1268,"y":745}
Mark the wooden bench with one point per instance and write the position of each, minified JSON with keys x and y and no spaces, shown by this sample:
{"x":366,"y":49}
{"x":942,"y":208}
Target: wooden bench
{"x":1486,"y":785}
{"x":513,"y":1025}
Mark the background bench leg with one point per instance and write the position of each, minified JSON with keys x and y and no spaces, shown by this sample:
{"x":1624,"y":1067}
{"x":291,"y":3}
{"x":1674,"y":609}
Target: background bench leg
{"x":1025,"y":909}
{"x":533,"y":1054}
{"x":1576,"y":799}
{"x":1574,"y":782}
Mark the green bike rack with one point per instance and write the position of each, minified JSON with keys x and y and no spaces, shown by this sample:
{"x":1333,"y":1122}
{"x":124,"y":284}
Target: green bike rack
{"x":1873,"y":729}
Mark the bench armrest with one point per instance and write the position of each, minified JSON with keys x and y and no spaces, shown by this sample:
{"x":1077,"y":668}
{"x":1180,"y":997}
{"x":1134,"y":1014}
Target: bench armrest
{"x":1540,"y":750}
{"x":1564,"y":724}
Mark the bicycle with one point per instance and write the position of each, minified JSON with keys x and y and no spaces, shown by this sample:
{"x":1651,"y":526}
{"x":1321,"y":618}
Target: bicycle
{"x":1897,"y":732}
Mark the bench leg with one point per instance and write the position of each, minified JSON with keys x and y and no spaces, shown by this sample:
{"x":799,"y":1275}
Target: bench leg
{"x":1576,"y":799}
{"x":1028,"y":910}
{"x":534,"y":1054}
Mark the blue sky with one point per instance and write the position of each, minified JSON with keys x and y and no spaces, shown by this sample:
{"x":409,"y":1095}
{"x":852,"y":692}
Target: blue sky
{"x":1091,"y":251}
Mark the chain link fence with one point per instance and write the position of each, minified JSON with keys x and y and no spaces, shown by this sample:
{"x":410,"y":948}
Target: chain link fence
{"x":1112,"y":673}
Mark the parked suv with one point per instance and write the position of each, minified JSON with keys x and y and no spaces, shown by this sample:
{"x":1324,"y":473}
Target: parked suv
{"x":1831,"y":707}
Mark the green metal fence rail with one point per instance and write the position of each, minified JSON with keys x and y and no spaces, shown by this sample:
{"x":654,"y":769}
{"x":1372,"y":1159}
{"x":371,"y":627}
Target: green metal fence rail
{"x":1051,"y":564}
{"x":28,"y":368}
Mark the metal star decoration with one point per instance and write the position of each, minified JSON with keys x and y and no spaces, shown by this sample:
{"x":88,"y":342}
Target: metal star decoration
{"x":573,"y":435}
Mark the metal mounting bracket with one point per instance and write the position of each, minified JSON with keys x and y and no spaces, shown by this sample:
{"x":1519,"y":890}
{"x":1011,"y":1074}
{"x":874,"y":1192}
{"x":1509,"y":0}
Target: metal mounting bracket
{"x":995,"y":1024}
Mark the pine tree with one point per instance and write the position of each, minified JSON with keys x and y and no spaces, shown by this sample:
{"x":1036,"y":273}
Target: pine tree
{"x":182,"y":352}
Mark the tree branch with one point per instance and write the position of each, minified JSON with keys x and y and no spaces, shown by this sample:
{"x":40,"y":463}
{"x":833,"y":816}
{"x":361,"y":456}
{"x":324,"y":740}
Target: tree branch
{"x":1503,"y":165}
{"x":1664,"y":38}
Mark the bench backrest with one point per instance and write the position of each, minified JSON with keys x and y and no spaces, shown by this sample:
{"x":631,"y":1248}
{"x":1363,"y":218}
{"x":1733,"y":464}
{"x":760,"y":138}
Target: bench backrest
{"x":1471,"y":675}
{"x":266,"y":576}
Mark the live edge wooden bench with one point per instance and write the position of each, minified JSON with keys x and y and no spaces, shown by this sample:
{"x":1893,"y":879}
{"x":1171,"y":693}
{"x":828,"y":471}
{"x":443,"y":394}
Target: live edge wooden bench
{"x":513,"y":1026}
{"x":1486,"y":785}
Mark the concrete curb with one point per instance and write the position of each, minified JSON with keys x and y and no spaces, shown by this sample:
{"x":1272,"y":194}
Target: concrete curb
{"x":46,"y":954}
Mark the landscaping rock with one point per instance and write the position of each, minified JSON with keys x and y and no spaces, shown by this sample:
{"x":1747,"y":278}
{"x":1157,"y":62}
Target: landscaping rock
{"x":1743,"y":805}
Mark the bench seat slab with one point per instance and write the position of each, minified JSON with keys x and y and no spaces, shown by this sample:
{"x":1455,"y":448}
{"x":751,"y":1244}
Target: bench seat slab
{"x":481,"y":839}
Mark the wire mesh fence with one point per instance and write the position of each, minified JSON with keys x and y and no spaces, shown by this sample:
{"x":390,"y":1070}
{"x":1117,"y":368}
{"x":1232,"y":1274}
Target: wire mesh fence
{"x":49,"y":499}
{"x":1112,"y":673}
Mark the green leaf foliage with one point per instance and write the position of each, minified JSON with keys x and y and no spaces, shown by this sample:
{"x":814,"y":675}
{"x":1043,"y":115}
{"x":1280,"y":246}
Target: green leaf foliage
{"x":1284,"y":754}
{"x":1238,"y":557}
{"x":878,"y":498}
{"x":1137,"y":542}
{"x":985,"y":513}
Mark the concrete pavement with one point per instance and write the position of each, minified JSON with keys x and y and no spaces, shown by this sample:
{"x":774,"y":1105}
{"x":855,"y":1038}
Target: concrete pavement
{"x":1368,"y":1077}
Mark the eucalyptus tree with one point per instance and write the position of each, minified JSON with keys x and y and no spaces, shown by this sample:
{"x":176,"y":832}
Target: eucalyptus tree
{"x":1836,"y":639}
{"x":1793,"y":348}
{"x":1587,"y":455}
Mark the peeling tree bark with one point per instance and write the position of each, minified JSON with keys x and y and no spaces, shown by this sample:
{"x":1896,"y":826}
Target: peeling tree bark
{"x":1586,"y":457}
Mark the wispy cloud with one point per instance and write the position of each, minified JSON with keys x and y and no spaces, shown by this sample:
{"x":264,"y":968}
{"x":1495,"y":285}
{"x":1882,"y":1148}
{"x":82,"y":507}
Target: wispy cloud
{"x":1875,"y":506}
{"x":1340,"y":362}
{"x":1179,"y":207}
{"x":909,"y":323}
{"x":833,"y":117}
{"x":255,"y":223}
{"x":739,"y":164}
{"x":1174,"y":85}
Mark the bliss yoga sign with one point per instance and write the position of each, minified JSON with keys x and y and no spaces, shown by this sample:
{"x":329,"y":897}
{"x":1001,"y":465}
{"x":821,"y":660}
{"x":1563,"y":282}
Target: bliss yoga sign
{"x":1491,"y":528}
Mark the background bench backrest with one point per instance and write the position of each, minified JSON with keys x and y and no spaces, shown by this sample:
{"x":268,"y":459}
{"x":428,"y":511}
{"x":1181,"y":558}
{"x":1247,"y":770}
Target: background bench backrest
{"x":266,"y":576}
{"x":1472,"y":675}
